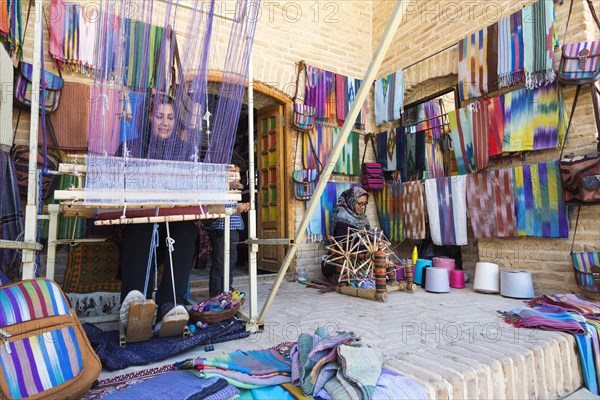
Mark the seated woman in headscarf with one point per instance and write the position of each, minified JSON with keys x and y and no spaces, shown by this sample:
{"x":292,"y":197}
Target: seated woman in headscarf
{"x":349,"y":212}
{"x":160,"y":142}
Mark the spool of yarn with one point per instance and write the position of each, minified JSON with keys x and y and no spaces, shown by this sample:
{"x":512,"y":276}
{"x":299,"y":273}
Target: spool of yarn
{"x":444,"y":262}
{"x":400,"y":276}
{"x":419,"y":269}
{"x":516,"y":284}
{"x":437,"y":280}
{"x":457,"y":279}
{"x":487,"y":276}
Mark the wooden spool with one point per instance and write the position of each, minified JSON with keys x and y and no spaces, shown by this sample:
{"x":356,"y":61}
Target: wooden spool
{"x":380,"y":262}
{"x":408,"y":272}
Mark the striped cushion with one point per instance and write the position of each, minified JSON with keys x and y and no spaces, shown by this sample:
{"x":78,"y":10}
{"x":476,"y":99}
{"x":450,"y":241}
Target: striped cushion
{"x":41,"y":362}
{"x":31,"y":300}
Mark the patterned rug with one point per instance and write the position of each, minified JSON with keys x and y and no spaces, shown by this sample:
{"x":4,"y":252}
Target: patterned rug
{"x":119,"y":382}
{"x":93,"y":267}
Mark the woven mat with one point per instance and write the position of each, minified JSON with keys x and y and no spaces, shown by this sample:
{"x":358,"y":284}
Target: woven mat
{"x":119,"y":382}
{"x":93,"y":267}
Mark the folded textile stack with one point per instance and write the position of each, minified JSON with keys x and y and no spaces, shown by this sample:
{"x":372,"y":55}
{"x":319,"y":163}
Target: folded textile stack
{"x":243,"y":369}
{"x":567,"y":313}
{"x":178,"y":385}
{"x":338,"y":367}
{"x":224,"y":301}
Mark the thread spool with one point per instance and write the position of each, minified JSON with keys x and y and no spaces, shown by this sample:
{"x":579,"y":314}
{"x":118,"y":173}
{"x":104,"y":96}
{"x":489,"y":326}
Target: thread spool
{"x":408,"y":271}
{"x":437,"y":280}
{"x":380,"y":270}
{"x":391,"y":272}
{"x":400,"y":273}
{"x":420,"y":269}
{"x":424,"y":282}
{"x":457,"y":279}
{"x":487,"y":276}
{"x":444,"y":262}
{"x":516,"y":284}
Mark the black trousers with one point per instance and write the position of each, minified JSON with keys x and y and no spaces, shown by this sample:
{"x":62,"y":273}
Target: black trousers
{"x":217,"y":270}
{"x":134,"y":259}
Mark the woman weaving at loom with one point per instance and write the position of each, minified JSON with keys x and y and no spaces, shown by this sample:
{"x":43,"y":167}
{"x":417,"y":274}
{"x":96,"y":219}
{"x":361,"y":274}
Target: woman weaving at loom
{"x":137,"y":240}
{"x":349,"y":212}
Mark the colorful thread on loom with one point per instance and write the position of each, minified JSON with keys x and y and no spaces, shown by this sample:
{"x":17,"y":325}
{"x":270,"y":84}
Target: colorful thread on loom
{"x":539,"y":204}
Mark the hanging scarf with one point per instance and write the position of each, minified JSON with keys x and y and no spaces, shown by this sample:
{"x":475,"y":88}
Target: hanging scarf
{"x":518,"y":121}
{"x":15,"y":36}
{"x":4,"y":20}
{"x":447,"y":210}
{"x":389,"y":208}
{"x":11,"y":218}
{"x":401,"y":152}
{"x":477,"y":63}
{"x":539,"y":40}
{"x":461,"y":132}
{"x":57,"y":30}
{"x":434,"y":159}
{"x":539,"y":205}
{"x":510,"y":50}
{"x":495,"y":107}
{"x":341,"y":86}
{"x":323,"y":137}
{"x":87,"y":38}
{"x":382,"y":142}
{"x":490,"y":200}
{"x":389,"y":97}
{"x":550,"y":117}
{"x":480,"y":118}
{"x":413,"y":207}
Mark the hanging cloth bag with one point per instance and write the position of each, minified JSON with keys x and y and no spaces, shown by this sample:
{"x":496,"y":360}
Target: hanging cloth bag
{"x":586,"y":265}
{"x":372,"y":173}
{"x":303,"y":116}
{"x":23,"y":85}
{"x":580,"y":62}
{"x":305,"y":180}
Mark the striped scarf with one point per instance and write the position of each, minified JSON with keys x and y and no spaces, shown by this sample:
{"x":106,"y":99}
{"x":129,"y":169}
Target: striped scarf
{"x":447,"y":210}
{"x":510,"y":50}
{"x":480,"y":118}
{"x":539,"y":40}
{"x":4,"y":18}
{"x":389,"y":208}
{"x":490,"y":200}
{"x":539,"y":204}
{"x":11,"y":217}
{"x":413,"y":207}
{"x":495,"y":111}
{"x":140,"y":71}
{"x":477,"y":63}
{"x":572,"y":302}
{"x":461,"y":132}
{"x":320,"y":92}
{"x":323,"y":138}
{"x":389,"y":97}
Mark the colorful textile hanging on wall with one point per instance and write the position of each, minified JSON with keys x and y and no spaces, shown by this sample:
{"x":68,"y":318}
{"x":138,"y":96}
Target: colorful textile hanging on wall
{"x":413,"y":206}
{"x":539,"y":40}
{"x":73,"y":31}
{"x":491,"y":204}
{"x":478,"y":63}
{"x":461,"y":132}
{"x":11,"y":27}
{"x":389,"y":97}
{"x":318,"y":226}
{"x":533,"y":119}
{"x":495,"y":107}
{"x":480,"y":119}
{"x":323,"y":137}
{"x":391,"y":150}
{"x":390,"y":210}
{"x":510,"y":50}
{"x":333,"y":95}
{"x":539,"y":204}
{"x":447,"y":210}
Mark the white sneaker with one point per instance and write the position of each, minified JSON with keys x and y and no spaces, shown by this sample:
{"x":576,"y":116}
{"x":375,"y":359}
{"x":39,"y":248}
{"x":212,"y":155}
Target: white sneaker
{"x":132,"y":297}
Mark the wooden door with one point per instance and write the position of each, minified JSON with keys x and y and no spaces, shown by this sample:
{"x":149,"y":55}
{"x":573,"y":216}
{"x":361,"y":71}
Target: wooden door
{"x":271,"y":204}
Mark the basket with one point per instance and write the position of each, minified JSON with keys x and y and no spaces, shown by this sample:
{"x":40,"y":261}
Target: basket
{"x":215,"y":317}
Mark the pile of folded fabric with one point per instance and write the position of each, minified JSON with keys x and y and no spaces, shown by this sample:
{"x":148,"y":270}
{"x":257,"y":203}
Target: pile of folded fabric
{"x":223,"y":301}
{"x":567,"y":313}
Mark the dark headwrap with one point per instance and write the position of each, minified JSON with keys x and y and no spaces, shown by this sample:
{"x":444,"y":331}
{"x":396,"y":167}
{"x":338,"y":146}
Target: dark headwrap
{"x":344,"y":210}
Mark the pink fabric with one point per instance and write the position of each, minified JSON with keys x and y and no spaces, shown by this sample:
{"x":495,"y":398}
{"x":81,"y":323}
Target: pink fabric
{"x":57,"y":21}
{"x":105,"y":117}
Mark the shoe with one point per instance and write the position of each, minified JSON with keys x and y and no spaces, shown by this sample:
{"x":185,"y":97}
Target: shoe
{"x":136,"y":317}
{"x":173,"y":323}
